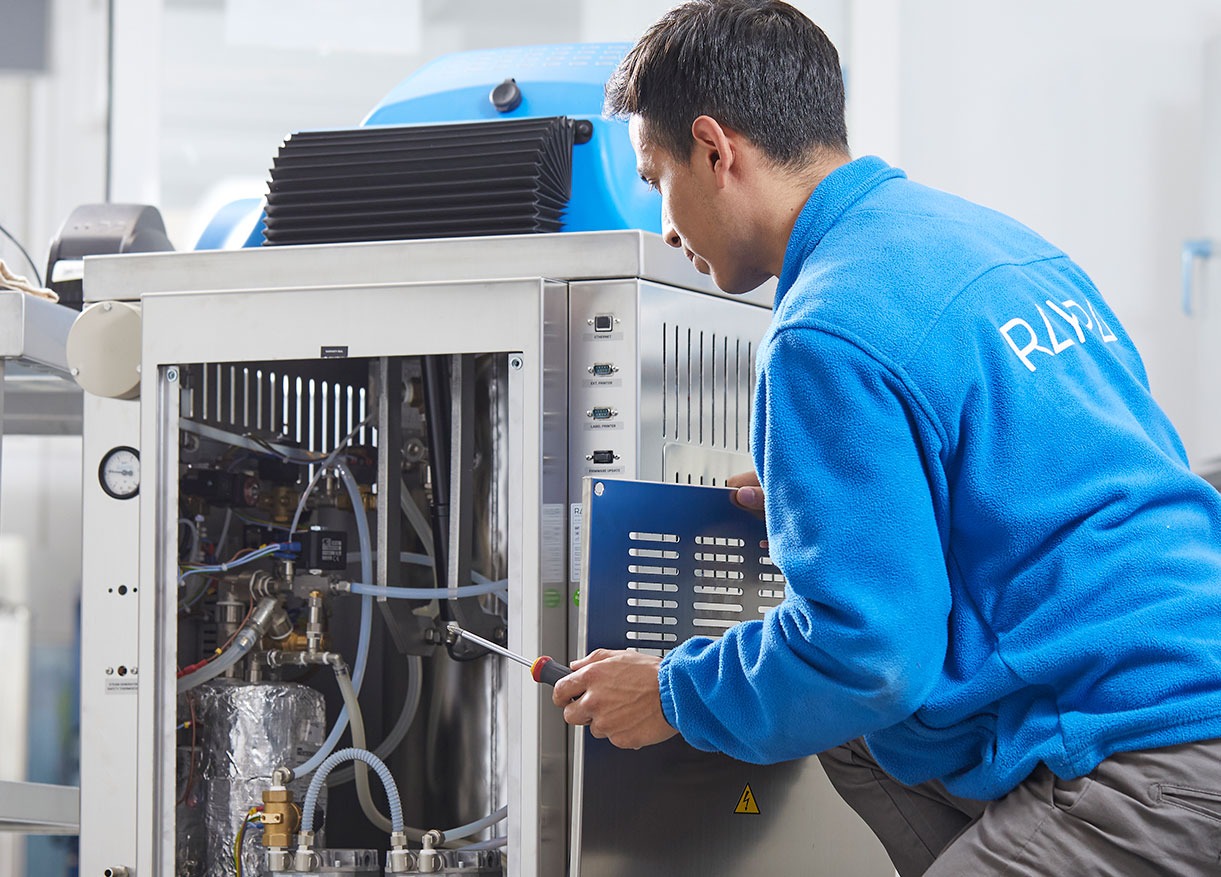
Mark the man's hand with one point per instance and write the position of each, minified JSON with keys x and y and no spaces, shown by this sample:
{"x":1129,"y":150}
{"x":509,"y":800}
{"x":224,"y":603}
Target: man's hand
{"x":749,"y":494}
{"x":617,"y":695}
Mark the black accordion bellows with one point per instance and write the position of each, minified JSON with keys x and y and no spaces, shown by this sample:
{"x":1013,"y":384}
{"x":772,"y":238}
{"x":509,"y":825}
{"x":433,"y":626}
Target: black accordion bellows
{"x":421,"y":181}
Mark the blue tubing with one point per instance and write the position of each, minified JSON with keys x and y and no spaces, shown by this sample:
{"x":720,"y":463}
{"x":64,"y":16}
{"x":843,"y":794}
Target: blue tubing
{"x":477,"y":826}
{"x":428,"y":593}
{"x":319,"y":780}
{"x":366,"y":620}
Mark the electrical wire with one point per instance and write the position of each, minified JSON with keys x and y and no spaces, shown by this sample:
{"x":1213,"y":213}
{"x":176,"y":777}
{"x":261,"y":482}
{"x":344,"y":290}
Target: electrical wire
{"x":37,"y":276}
{"x":186,"y":792}
{"x":225,"y":567}
{"x":326,"y":463}
{"x":251,"y":815}
{"x":194,"y":531}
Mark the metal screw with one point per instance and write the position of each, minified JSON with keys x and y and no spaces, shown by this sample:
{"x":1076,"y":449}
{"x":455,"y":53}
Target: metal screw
{"x":171,"y":374}
{"x":414,"y":451}
{"x":108,"y":305}
{"x":515,"y":362}
{"x":110,"y":671}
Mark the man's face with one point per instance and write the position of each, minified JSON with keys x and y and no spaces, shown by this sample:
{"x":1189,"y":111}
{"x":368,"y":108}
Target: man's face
{"x":695,"y":214}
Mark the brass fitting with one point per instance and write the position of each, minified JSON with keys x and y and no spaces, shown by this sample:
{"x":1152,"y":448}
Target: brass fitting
{"x":280,"y":817}
{"x":294,"y":642}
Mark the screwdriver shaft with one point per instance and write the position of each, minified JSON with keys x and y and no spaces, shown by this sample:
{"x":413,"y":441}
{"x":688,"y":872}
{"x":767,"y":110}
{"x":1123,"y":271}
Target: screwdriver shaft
{"x":489,"y":645}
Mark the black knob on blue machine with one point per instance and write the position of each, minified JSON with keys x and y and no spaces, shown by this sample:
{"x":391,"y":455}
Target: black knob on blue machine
{"x":506,"y":97}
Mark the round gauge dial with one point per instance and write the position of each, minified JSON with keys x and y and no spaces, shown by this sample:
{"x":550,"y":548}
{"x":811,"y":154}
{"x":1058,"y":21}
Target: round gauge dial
{"x":120,"y":472}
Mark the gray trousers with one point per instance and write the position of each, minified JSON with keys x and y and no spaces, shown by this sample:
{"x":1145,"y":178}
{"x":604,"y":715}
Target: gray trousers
{"x":1156,"y":812}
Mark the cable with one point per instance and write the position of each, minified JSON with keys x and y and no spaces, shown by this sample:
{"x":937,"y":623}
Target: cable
{"x":251,"y":815}
{"x":186,"y":792}
{"x":225,"y":567}
{"x":17,"y":244}
{"x":322,"y":467}
{"x":194,"y":530}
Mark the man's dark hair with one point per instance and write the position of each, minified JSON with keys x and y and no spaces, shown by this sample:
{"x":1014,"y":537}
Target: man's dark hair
{"x":759,"y":67}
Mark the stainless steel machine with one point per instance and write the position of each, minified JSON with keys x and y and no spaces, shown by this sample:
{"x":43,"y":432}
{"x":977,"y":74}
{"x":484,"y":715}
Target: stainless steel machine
{"x":306,"y":431}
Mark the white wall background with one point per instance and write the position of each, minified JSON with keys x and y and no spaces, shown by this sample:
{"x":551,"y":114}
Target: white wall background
{"x":1087,"y":120}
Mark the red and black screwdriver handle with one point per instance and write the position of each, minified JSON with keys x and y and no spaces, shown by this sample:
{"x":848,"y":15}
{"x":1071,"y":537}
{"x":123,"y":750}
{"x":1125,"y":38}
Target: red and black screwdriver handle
{"x":543,"y":669}
{"x":548,"y":670}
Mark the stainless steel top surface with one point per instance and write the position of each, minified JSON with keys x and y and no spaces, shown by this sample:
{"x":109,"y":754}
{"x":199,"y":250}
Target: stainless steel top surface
{"x":601,"y":255}
{"x":34,"y":330}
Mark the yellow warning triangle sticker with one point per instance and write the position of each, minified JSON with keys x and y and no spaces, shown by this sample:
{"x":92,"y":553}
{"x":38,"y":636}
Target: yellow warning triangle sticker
{"x":747,"y":803}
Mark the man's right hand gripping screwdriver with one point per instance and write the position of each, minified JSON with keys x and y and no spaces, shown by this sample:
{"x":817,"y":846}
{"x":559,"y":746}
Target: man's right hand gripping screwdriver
{"x":542,"y":668}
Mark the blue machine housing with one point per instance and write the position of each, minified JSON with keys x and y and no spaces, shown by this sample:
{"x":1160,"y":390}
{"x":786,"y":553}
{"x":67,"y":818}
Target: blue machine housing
{"x":559,"y":80}
{"x":554,"y":80}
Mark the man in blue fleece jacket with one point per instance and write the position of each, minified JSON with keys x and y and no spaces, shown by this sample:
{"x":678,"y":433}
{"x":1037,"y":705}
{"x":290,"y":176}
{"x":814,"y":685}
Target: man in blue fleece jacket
{"x":1002,"y":624}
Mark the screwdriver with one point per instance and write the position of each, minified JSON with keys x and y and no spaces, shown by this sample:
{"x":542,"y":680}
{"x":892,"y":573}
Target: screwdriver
{"x":543,"y":668}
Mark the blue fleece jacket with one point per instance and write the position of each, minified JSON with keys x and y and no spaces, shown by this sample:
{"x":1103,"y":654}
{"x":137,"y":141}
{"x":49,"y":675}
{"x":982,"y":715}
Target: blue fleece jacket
{"x":996,"y":554}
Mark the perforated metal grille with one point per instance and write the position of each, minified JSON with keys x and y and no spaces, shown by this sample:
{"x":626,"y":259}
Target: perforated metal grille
{"x":693,"y":586}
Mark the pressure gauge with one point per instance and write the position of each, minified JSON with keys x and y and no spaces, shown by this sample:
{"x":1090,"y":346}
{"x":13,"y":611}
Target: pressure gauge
{"x":119,"y":473}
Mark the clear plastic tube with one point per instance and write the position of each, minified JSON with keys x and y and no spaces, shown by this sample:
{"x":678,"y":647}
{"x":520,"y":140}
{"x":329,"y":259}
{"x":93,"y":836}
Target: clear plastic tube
{"x":428,"y":593}
{"x":241,"y":646}
{"x":363,"y":793}
{"x":406,"y":557}
{"x":477,"y":826}
{"x":411,"y":705}
{"x":336,"y":758}
{"x":492,"y":843}
{"x":366,"y":620}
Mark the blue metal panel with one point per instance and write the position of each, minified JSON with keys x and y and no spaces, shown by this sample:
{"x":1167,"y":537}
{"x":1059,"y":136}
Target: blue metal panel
{"x":670,"y":809}
{"x":713,"y":570}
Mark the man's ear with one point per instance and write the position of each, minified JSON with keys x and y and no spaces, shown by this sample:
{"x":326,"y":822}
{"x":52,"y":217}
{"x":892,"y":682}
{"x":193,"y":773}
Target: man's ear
{"x":715,"y":149}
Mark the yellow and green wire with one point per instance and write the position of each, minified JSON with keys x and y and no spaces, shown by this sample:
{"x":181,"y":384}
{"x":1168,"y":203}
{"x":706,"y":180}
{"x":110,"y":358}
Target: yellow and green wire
{"x":252,"y":815}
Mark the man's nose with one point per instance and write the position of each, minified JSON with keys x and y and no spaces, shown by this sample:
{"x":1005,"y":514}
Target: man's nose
{"x":669,"y":234}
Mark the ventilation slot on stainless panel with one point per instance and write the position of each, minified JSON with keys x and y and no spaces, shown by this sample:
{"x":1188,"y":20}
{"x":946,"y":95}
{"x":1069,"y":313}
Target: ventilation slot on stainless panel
{"x":714,"y":616}
{"x":293,"y":401}
{"x":707,"y":385}
{"x":710,"y":581}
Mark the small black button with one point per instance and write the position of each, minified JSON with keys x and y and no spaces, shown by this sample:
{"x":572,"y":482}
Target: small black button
{"x":506,"y":97}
